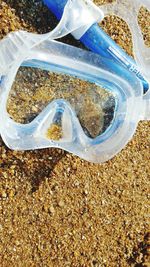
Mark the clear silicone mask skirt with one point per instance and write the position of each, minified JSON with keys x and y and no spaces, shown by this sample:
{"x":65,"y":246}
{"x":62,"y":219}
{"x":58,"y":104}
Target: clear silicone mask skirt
{"x":56,"y":95}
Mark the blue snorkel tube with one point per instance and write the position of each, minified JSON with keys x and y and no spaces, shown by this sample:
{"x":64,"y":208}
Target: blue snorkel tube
{"x":99,"y":42}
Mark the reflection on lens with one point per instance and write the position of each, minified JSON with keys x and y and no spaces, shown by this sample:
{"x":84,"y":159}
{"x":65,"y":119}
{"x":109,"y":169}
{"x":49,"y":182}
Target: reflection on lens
{"x":34,"y":89}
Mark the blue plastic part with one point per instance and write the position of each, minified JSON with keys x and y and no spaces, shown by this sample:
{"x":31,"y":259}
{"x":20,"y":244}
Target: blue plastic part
{"x":99,"y":42}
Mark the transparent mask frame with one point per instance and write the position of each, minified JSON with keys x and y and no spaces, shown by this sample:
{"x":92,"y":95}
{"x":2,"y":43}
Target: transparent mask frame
{"x":42,"y":51}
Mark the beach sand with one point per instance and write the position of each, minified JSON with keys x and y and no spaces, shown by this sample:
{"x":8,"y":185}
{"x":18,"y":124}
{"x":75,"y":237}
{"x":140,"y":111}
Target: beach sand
{"x":59,"y":210}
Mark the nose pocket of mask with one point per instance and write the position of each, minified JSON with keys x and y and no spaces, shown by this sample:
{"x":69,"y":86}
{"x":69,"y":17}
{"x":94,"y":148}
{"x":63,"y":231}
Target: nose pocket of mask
{"x":55,"y":122}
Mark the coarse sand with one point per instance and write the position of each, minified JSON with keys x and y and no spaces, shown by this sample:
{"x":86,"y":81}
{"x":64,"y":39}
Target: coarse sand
{"x":58,"y":210}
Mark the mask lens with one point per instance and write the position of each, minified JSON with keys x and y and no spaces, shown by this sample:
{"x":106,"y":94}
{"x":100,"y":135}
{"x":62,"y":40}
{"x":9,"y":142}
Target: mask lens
{"x":33,"y":89}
